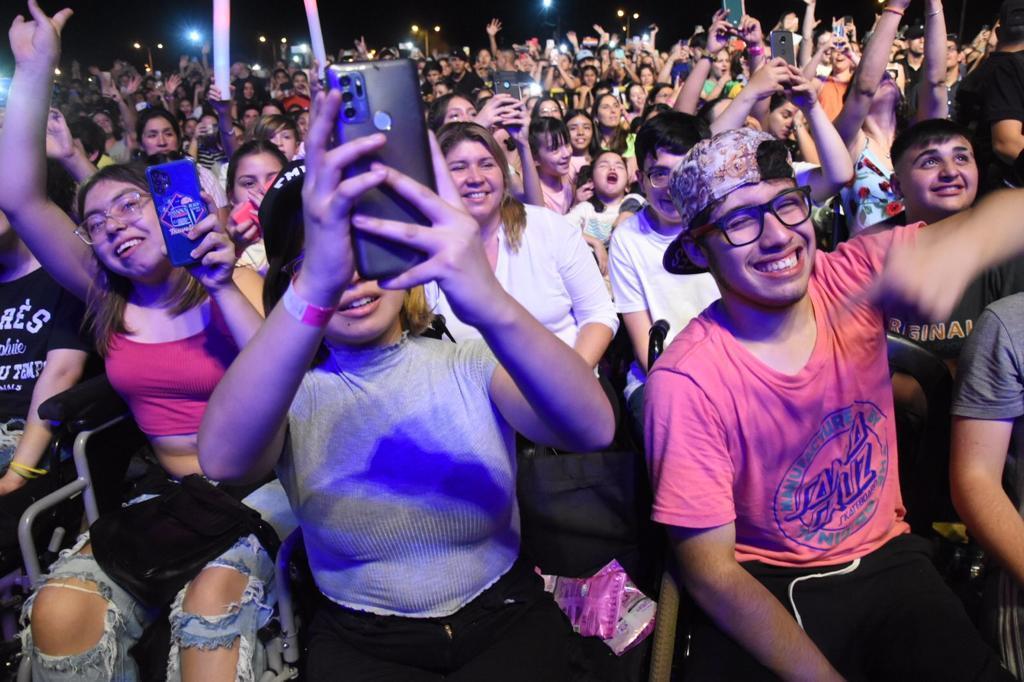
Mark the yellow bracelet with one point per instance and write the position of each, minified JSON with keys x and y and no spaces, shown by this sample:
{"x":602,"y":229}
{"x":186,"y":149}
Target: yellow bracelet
{"x":25,"y":471}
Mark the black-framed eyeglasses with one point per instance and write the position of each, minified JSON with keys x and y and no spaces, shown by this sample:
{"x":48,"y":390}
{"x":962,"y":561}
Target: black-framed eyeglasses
{"x":745,"y":225}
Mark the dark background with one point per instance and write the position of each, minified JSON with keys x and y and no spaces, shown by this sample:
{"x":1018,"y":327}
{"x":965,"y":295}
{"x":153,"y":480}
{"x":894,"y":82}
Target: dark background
{"x":103,"y":30}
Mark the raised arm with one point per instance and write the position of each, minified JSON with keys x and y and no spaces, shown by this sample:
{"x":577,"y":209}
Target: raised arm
{"x":62,"y":148}
{"x":869,"y":72}
{"x":492,"y":36}
{"x":46,"y":229}
{"x":765,"y":82}
{"x":932,"y":93}
{"x":836,"y":166}
{"x":807,"y":33}
{"x":689,"y":97}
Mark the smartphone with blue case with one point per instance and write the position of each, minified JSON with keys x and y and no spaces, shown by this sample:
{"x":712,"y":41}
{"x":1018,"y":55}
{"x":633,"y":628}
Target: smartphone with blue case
{"x":179,"y":205}
{"x":383,"y":97}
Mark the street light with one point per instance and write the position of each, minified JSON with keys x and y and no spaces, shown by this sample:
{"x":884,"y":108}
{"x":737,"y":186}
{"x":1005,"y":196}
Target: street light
{"x":546,"y":4}
{"x":263,"y":39}
{"x":437,"y":29}
{"x":194,"y":36}
{"x":621,"y":14}
{"x":137,"y":46}
{"x":415,"y":29}
{"x":159,"y":46}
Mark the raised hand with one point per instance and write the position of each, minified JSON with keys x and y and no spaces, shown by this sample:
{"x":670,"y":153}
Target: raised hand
{"x":327,"y":201}
{"x":59,"y":143}
{"x":35,"y":42}
{"x":493,"y":27}
{"x":803,"y":91}
{"x":172,"y":83}
{"x":718,"y":32}
{"x":492,"y":113}
{"x":215,"y":252}
{"x":770,"y":79}
{"x":133,"y":85}
{"x":750,"y":30}
{"x":455,"y":253}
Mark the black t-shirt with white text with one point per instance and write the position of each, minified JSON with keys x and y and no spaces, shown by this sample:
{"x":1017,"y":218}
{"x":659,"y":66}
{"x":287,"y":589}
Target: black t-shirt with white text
{"x":36,"y":316}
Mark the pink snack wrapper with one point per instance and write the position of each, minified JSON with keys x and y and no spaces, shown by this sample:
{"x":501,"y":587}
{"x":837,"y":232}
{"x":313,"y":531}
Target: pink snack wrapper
{"x":606,"y":605}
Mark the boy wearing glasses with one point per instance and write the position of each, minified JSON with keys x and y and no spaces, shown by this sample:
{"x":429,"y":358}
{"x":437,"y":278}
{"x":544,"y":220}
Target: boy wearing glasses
{"x":644,"y":292}
{"x":771,"y":437}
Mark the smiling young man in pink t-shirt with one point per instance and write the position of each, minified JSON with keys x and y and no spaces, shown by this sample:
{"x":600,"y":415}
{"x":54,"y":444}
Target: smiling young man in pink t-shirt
{"x":771,"y":437}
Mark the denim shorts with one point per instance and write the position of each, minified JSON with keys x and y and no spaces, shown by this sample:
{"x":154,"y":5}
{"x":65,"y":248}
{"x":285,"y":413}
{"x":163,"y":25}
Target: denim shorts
{"x":126,"y":618}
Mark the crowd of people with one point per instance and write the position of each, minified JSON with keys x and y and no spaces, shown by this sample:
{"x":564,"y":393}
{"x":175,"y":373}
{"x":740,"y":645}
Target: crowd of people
{"x":776,"y":200}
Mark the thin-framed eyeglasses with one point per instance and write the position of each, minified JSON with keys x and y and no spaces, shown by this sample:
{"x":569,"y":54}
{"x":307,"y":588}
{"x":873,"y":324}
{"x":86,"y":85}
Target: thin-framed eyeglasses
{"x":745,"y":225}
{"x":126,"y":209}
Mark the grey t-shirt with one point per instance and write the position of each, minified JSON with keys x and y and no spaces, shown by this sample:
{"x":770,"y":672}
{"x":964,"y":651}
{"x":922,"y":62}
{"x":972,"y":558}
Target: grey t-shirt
{"x":990,"y":381}
{"x":402,"y":474}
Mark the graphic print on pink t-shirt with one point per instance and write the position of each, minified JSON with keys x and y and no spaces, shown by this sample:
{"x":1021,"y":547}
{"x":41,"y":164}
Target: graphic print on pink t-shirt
{"x":830,"y":491}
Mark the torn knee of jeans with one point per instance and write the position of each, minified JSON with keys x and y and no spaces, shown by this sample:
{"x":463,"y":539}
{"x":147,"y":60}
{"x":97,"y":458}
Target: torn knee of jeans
{"x":241,"y":618}
{"x":102,"y":655}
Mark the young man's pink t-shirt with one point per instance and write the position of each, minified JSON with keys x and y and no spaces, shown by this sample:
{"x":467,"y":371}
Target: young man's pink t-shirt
{"x":805,"y":465}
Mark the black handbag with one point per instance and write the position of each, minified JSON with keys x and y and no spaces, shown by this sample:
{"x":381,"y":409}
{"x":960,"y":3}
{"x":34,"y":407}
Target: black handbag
{"x":578,"y":511}
{"x":153,"y":548}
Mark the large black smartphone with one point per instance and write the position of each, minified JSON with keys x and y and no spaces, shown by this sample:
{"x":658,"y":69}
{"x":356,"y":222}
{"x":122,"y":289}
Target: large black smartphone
{"x":384,"y":97}
{"x":175,"y":189}
{"x":782,"y":46}
{"x":514,"y":83}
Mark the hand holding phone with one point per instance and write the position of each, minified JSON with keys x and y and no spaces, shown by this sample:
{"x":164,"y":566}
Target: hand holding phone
{"x":177,"y":198}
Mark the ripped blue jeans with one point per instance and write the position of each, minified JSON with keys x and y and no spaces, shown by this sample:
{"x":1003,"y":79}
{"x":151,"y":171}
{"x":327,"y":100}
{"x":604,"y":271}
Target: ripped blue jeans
{"x":126,"y":619}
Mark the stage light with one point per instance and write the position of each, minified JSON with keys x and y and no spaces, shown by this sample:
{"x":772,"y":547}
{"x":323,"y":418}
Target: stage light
{"x":195,"y":36}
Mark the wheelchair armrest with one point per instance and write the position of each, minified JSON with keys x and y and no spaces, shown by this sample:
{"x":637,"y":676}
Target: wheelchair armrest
{"x":84,"y":406}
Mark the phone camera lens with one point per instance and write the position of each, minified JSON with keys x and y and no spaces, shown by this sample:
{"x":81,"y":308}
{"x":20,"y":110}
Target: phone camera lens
{"x":346,"y":96}
{"x":350,"y":112}
{"x":345,"y":81}
{"x":506,"y":84}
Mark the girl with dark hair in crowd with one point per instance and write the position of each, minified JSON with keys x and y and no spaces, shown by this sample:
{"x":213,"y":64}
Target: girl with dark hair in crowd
{"x":549,"y":143}
{"x":596,"y":217}
{"x":547,"y":107}
{"x":636,"y":98}
{"x":251,"y":170}
{"x":167,"y":335}
{"x":450,"y":108}
{"x":118,"y":145}
{"x":610,"y":129}
{"x":581,"y":138}
{"x":159,"y":134}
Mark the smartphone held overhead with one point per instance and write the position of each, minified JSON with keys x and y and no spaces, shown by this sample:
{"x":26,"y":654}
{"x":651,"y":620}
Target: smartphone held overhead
{"x":375,"y":98}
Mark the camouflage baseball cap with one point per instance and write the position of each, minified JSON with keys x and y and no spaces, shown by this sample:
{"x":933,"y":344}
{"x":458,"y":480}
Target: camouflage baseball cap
{"x":711,"y":171}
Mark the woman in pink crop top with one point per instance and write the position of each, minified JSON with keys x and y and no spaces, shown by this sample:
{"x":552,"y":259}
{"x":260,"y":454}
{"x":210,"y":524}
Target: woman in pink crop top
{"x":168,"y":335}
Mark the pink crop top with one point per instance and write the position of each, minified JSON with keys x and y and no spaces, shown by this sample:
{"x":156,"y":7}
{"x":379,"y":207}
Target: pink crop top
{"x":168,"y":384}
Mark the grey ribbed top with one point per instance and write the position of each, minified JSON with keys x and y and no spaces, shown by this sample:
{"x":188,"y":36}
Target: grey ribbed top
{"x":402,"y":474}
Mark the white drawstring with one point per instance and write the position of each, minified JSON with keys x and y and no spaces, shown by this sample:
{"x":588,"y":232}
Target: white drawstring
{"x":842,"y":571}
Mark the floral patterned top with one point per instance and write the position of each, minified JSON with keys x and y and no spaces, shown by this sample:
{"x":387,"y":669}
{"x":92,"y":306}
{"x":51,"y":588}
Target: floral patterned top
{"x":869,"y":198}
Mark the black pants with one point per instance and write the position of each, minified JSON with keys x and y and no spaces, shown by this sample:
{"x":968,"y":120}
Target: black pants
{"x":893,"y":618}
{"x":512,"y":631}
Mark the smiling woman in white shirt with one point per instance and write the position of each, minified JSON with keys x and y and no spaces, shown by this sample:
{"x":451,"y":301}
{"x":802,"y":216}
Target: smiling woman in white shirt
{"x":537,"y":256}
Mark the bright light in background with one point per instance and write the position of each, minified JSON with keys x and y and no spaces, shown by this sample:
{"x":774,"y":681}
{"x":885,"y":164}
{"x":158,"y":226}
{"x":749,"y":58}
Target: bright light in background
{"x":137,"y":46}
{"x":284,"y":40}
{"x":195,"y":36}
{"x":563,"y":47}
{"x":546,"y":4}
{"x":256,"y":67}
{"x":415,"y":28}
{"x":535,"y":90}
{"x":620,"y":14}
{"x":56,"y":72}
{"x":437,"y":29}
{"x":263,"y":39}
{"x":159,"y":46}
{"x":296,"y":59}
{"x":636,"y":15}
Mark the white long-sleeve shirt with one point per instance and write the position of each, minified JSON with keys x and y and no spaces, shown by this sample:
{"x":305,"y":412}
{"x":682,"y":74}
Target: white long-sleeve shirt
{"x":553,"y":275}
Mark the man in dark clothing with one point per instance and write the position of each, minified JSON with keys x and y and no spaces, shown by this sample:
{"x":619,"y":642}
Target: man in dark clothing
{"x":1003,"y":110}
{"x":914,"y":61}
{"x":463,"y":80}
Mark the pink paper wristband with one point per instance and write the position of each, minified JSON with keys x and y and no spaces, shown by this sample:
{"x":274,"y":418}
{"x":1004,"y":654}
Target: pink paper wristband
{"x":304,"y":311}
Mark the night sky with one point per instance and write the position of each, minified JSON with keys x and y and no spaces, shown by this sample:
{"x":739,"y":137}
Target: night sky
{"x":102,"y":30}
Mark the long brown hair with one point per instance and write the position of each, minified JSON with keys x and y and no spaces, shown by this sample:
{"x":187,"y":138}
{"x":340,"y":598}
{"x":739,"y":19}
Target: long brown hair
{"x":513,"y":213}
{"x":108,"y":295}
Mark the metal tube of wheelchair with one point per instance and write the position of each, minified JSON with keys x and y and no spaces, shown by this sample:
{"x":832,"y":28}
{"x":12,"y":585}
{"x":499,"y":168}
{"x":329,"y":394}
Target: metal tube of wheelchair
{"x":656,"y":341}
{"x":289,"y":632}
